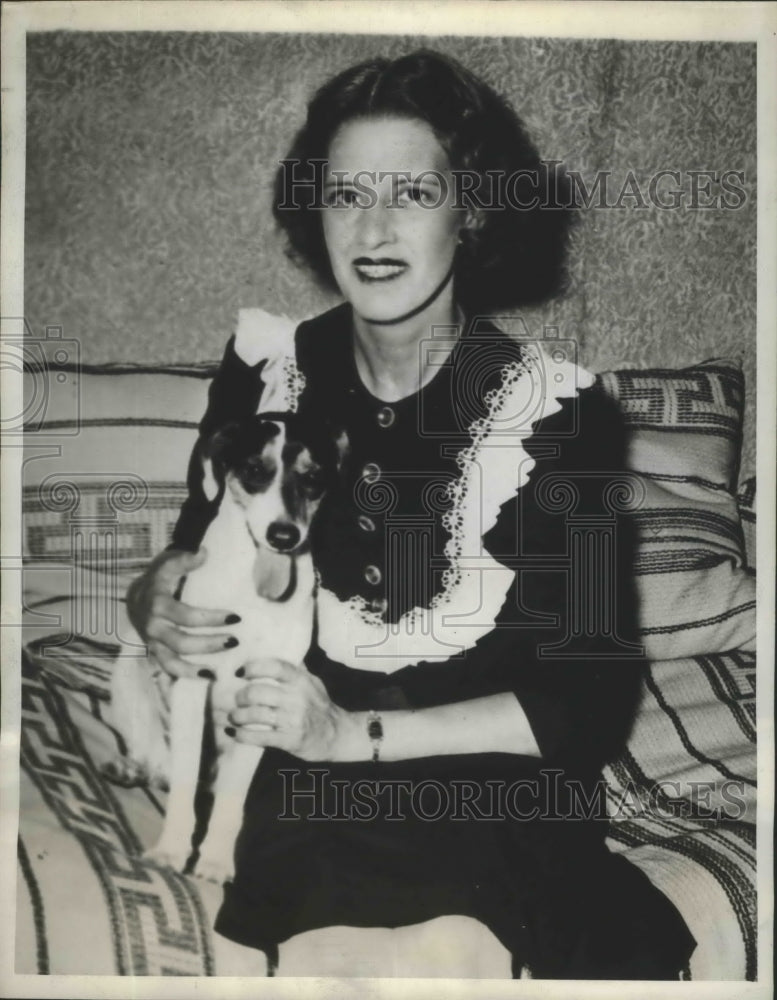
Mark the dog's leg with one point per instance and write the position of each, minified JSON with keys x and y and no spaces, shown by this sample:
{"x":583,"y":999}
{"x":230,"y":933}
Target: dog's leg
{"x":236,"y":770}
{"x":138,"y":712}
{"x":187,"y":721}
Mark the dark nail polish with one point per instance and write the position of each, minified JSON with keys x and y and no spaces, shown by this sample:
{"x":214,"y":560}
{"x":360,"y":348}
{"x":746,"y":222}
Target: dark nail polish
{"x":230,"y":643}
{"x":240,"y":672}
{"x":207,"y":674}
{"x":230,"y":730}
{"x":232,"y":619}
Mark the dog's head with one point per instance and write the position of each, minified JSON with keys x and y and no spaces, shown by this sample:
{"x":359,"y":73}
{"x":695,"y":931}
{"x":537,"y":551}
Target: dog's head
{"x":276,"y":469}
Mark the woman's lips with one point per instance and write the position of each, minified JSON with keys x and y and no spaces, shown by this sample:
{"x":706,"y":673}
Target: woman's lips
{"x":380,"y":269}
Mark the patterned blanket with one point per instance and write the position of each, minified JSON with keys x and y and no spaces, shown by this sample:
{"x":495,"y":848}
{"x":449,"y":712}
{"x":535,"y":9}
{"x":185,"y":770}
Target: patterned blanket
{"x":681,"y":799}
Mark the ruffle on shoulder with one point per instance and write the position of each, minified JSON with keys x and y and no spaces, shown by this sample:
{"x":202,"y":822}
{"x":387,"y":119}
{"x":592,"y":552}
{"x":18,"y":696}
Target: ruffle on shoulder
{"x":262,"y":336}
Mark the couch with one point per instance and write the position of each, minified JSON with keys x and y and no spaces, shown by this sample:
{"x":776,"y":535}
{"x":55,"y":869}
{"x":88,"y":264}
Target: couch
{"x":105,"y":457}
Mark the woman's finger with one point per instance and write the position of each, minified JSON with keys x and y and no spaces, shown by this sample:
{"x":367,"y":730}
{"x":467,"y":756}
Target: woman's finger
{"x":169,"y":662}
{"x":264,"y":715}
{"x":269,"y":668}
{"x":185,"y":643}
{"x":172,"y":566}
{"x":262,"y":692}
{"x":264,"y":737}
{"x":185,"y":614}
{"x":163,"y":605}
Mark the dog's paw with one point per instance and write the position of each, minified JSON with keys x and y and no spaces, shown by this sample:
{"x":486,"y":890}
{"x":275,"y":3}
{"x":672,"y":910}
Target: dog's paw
{"x":213,"y":869}
{"x":125,"y":772}
{"x":130,"y":773}
{"x":169,"y":856}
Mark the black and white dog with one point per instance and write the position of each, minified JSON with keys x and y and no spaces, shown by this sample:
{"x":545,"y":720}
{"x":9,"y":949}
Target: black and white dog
{"x":268,"y":474}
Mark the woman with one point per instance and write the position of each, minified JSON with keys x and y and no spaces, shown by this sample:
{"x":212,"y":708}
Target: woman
{"x":438,"y":752}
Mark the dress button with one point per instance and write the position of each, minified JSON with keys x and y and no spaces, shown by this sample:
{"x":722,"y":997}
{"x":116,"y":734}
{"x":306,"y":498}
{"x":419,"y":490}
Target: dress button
{"x":386,"y":417}
{"x":371,"y":473}
{"x":373,"y":575}
{"x":365,"y":523}
{"x":378,"y":605}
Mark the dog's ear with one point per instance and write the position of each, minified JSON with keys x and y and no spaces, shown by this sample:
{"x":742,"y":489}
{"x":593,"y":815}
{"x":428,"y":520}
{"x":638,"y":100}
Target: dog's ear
{"x":210,"y":485}
{"x":342,"y":447}
{"x":218,"y":443}
{"x":212,"y":452}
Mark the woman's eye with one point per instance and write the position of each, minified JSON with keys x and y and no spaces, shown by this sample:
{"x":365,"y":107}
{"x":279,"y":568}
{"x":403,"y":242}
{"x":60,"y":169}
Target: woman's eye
{"x":416,"y":194}
{"x":342,"y":198}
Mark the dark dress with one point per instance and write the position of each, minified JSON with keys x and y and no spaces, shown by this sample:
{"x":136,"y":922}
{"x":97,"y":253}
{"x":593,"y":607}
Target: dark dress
{"x":514,"y":841}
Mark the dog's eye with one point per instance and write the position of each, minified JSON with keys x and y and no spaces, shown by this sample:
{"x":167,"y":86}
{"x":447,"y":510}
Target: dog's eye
{"x":312,"y":484}
{"x":255,"y":475}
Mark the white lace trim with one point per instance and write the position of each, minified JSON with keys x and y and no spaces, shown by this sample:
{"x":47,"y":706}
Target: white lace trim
{"x":262,"y":336}
{"x":294,"y":382}
{"x":493,"y":468}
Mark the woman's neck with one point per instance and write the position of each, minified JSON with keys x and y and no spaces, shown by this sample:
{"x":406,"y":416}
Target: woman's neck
{"x":389,"y":359}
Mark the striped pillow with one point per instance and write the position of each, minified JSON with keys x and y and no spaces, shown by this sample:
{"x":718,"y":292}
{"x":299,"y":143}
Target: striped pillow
{"x":682,"y":802}
{"x":106,"y":462}
{"x":691,"y":752}
{"x":685,"y":425}
{"x":746,"y":504}
{"x":106,"y":451}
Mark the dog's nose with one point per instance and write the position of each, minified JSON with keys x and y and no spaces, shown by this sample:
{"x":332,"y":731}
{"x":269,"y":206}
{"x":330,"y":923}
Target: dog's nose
{"x":282,"y":536}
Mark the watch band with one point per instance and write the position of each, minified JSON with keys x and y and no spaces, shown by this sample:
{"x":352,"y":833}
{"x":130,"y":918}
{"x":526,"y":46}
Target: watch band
{"x":375,"y":733}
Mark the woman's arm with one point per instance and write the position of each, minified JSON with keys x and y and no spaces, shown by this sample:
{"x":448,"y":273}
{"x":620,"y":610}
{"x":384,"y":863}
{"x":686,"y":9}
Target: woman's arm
{"x":578,"y":678}
{"x":492,"y":724}
{"x":286,"y":706}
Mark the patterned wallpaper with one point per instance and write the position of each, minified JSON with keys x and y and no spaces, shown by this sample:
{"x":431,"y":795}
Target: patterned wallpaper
{"x":150,"y":159}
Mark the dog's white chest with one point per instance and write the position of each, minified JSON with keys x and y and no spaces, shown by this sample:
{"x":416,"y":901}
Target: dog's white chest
{"x":280,"y":629}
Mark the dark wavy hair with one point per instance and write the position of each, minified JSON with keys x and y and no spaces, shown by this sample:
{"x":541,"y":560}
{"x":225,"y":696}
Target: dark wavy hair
{"x":516,"y":255}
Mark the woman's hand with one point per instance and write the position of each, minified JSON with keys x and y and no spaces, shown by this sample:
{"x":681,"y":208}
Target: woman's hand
{"x":285,"y":706}
{"x":161,"y":620}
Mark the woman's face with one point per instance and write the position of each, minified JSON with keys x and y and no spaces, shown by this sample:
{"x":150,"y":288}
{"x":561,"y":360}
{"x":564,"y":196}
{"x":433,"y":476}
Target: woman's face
{"x":389,"y":223}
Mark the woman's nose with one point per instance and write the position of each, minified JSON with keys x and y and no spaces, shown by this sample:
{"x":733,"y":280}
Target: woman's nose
{"x":376,"y":224}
